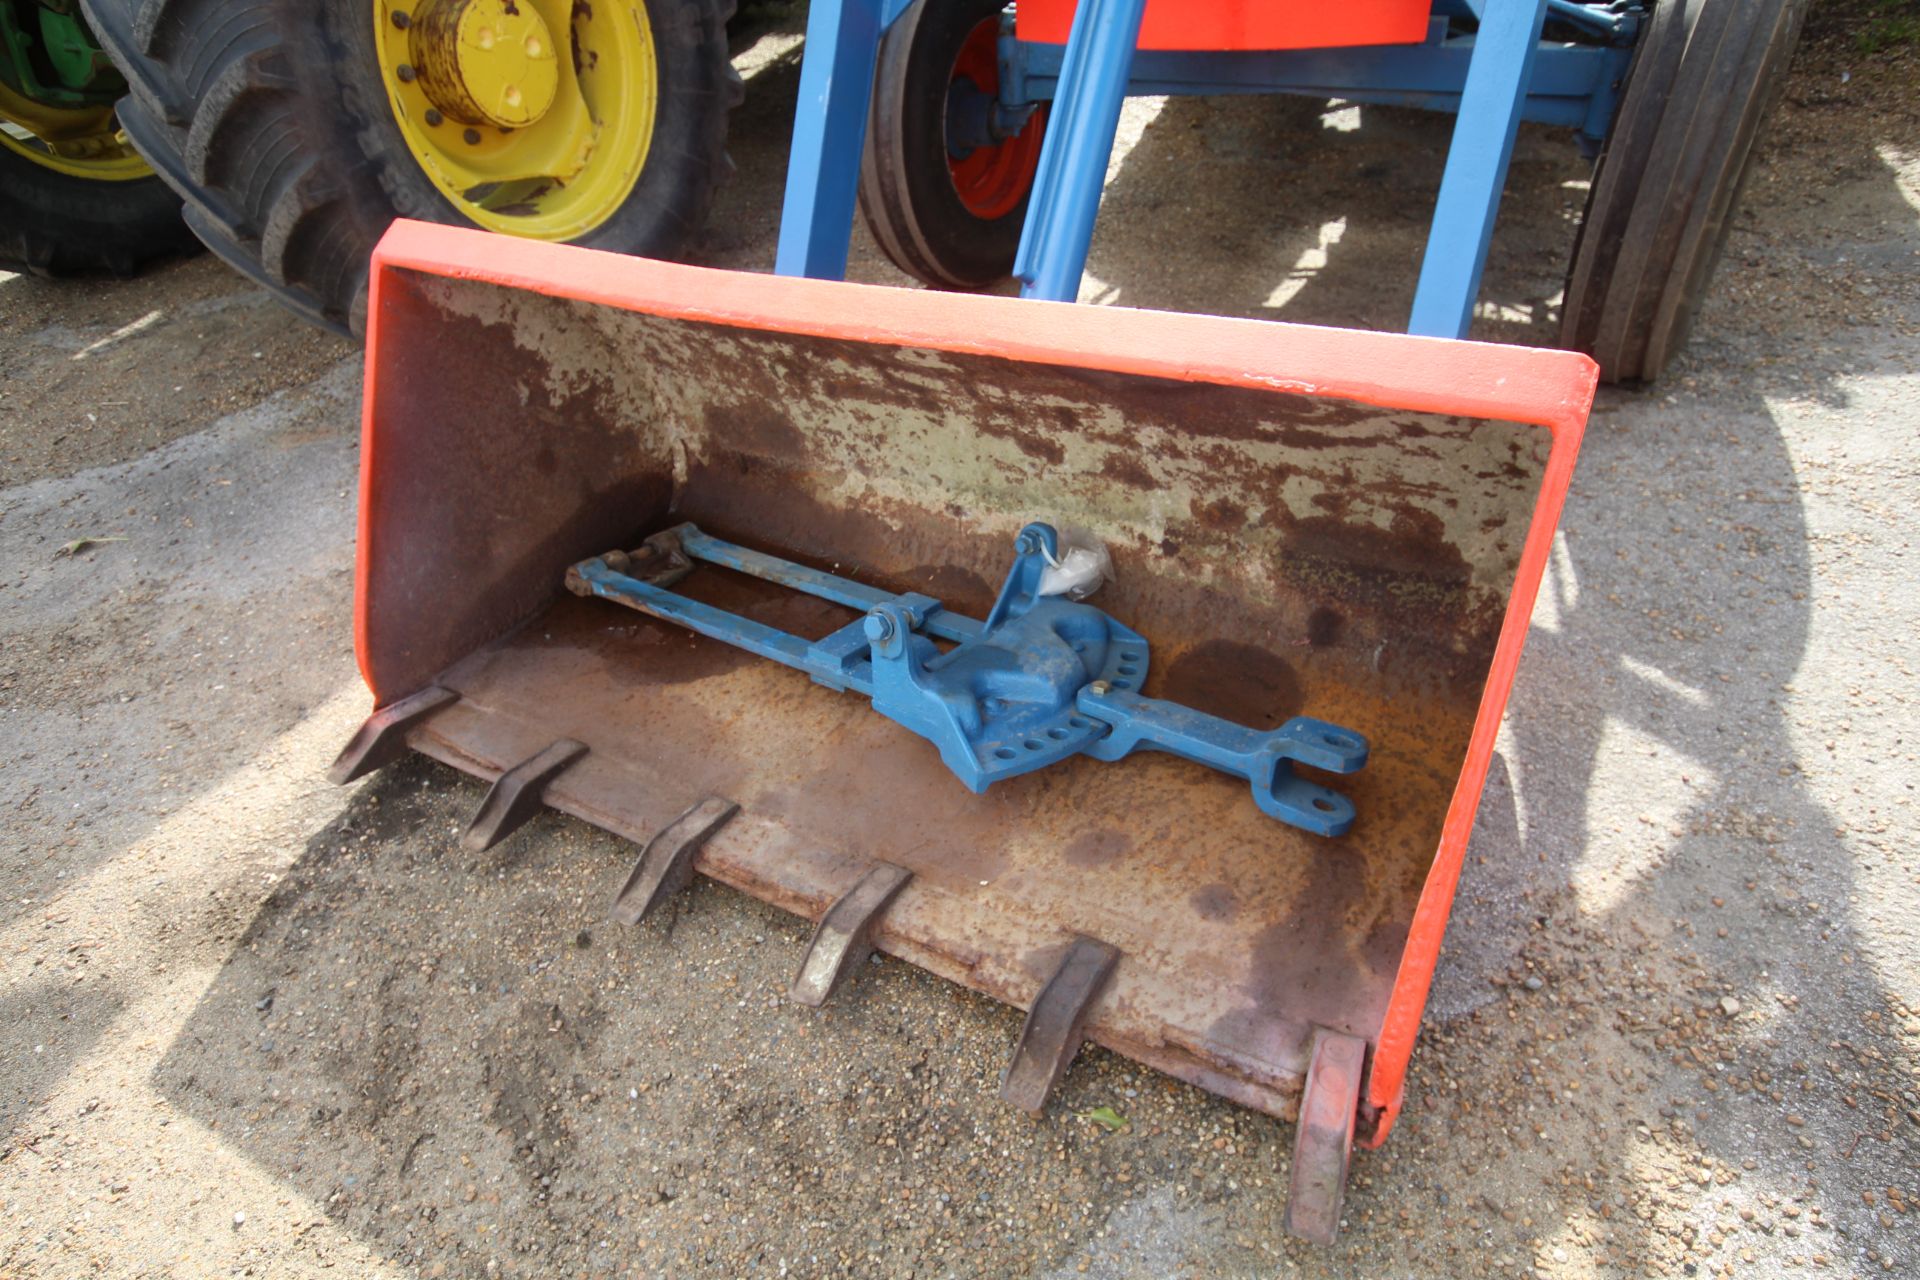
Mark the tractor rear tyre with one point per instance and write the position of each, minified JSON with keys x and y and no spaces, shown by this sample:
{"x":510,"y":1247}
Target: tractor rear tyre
{"x":60,"y":216}
{"x":297,"y":130}
{"x":74,"y":194}
{"x":1705,"y":76}
{"x":943,"y":181}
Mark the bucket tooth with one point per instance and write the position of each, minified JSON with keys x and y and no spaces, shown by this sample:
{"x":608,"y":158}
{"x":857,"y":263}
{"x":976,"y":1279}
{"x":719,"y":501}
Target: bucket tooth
{"x":1056,"y":1024}
{"x":844,"y":936}
{"x":666,"y":863}
{"x":517,"y":795}
{"x":1323,"y":1144}
{"x":382,"y":737}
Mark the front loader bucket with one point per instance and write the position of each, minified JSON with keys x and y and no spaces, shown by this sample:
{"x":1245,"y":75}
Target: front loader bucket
{"x":1341,"y":525}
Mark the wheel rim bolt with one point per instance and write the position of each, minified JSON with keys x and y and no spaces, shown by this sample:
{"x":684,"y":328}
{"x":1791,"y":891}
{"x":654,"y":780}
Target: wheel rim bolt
{"x":433,"y":116}
{"x":405,"y":73}
{"x":402,"y":19}
{"x":472,"y":137}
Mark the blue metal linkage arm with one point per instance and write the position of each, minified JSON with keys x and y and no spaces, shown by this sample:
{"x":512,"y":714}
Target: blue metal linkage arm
{"x":1261,"y":757}
{"x":1074,"y":154}
{"x":1043,"y":679}
{"x":829,"y":133}
{"x":1567,"y":79}
{"x":839,"y":660}
{"x":1476,"y":168}
{"x":1608,"y":18}
{"x":708,"y":620}
{"x":815,"y":582}
{"x":1602,"y":19}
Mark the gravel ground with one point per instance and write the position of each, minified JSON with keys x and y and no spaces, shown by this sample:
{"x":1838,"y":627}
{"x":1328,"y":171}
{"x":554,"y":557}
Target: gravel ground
{"x":264,"y":1027}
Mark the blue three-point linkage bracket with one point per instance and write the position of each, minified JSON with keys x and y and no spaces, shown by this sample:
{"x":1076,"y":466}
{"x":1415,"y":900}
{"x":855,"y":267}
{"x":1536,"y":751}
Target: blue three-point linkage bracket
{"x":1043,"y":678}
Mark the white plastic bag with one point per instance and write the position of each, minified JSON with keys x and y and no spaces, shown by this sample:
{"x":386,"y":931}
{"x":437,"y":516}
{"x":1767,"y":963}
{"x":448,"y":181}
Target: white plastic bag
{"x":1082,"y":565}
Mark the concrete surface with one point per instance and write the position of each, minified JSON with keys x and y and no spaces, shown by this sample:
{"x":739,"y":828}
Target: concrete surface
{"x":258,"y":1026}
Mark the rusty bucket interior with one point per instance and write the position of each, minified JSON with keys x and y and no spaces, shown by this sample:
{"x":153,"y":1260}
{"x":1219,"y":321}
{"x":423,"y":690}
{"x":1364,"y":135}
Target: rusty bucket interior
{"x":1342,"y":525}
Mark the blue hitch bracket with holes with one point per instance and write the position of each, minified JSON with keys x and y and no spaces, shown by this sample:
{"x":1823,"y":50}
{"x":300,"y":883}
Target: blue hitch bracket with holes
{"x":1043,"y":678}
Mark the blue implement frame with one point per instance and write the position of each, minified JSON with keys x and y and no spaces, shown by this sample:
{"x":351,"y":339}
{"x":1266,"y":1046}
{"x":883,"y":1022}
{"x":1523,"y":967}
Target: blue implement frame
{"x":1042,"y":679}
{"x":1492,"y":78}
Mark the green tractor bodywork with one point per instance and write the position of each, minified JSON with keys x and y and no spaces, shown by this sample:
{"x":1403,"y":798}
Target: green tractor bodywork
{"x":57,"y":90}
{"x":51,"y":57}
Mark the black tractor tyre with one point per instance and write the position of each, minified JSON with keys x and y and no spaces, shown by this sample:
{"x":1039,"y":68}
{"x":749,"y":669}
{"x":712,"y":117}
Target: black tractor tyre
{"x":270,"y":119}
{"x":56,"y":224}
{"x":1705,"y":76}
{"x":907,"y":195}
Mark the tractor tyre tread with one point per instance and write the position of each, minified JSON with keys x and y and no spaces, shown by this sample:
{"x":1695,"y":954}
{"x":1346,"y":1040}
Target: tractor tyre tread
{"x":59,"y":224}
{"x":291,"y":169}
{"x":1705,"y":79}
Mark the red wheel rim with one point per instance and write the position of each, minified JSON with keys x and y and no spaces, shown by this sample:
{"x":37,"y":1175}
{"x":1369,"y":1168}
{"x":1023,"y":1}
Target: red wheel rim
{"x":992,"y":181}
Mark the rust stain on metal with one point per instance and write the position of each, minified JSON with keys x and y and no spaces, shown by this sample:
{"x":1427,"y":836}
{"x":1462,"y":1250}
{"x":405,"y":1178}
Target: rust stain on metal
{"x":1097,"y":848}
{"x":1128,"y":470}
{"x":1214,"y":902}
{"x":1236,"y":681}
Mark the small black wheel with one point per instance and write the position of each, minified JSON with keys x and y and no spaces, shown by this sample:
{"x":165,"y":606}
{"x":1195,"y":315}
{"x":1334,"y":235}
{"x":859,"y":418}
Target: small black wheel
{"x":946,"y":174}
{"x":1705,"y":76}
{"x":297,"y":130}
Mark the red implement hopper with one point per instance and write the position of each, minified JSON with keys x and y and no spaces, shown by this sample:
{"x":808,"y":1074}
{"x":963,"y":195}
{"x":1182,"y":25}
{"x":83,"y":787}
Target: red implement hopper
{"x":1343,"y":525}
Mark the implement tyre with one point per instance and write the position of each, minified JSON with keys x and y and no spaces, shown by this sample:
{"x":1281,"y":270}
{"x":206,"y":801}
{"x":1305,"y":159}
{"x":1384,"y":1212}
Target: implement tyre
{"x":950,"y":220}
{"x":1704,"y":79}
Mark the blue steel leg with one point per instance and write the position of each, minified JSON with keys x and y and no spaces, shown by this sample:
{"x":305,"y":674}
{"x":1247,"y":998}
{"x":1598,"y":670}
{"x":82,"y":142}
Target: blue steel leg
{"x":1476,"y":170}
{"x":829,"y":132}
{"x":1079,"y":141}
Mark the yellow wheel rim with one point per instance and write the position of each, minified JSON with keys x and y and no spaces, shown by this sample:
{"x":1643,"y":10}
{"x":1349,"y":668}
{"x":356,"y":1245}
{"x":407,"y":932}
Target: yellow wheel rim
{"x":81,"y":142}
{"x":532,"y":117}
